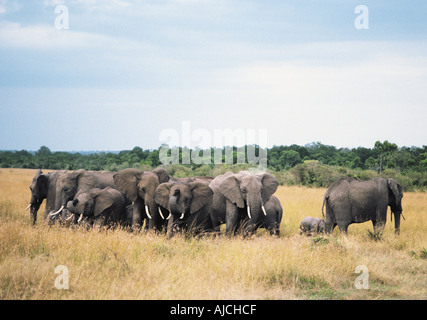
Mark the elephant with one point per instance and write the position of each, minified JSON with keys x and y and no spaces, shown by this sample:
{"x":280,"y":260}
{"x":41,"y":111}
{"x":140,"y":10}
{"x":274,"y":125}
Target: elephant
{"x":99,"y":206}
{"x":140,"y":186}
{"x":189,"y":204}
{"x":70,"y":184}
{"x":271,"y":221}
{"x":129,"y":214}
{"x":239,"y":199}
{"x":310,"y":225}
{"x":349,"y":200}
{"x":42,"y":187}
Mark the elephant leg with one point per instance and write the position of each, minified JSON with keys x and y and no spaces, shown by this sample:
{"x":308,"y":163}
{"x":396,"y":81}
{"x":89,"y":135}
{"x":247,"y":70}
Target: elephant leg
{"x":146,"y":225}
{"x":343,"y":227}
{"x":330,"y":226}
{"x":378,"y":226}
{"x":137,"y":219}
{"x":231,"y":218}
{"x":99,"y":221}
{"x":216,"y":225}
{"x":330,"y":223}
{"x":381,"y":217}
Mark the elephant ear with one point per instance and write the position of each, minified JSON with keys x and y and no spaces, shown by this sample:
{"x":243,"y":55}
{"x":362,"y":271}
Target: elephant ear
{"x":126,"y":181}
{"x":76,"y":174}
{"x":41,"y":184}
{"x":269,"y":185}
{"x":161,"y":195}
{"x":202,"y":194}
{"x":103,"y":200}
{"x":394,"y":187}
{"x":85,"y":181}
{"x":162,"y":174}
{"x":231,"y":190}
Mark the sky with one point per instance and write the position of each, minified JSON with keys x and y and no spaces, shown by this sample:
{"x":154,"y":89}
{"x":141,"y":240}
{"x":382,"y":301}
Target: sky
{"x":115,"y":74}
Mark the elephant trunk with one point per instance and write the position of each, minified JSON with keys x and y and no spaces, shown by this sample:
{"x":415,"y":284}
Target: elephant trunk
{"x":60,"y":207}
{"x":175,"y":218}
{"x":34,"y":208}
{"x":173,"y":204}
{"x":172,"y":225}
{"x":253,"y":210}
{"x":33,"y":214}
{"x":152,"y":211}
{"x":397,"y":222}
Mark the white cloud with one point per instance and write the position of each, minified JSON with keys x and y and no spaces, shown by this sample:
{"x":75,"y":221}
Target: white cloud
{"x":8,"y":6}
{"x":344,"y":101}
{"x":43,"y":37}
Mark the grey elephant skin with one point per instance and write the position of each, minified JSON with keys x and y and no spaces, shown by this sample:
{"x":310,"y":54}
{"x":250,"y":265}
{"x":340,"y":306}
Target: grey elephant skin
{"x":310,"y":225}
{"x":43,"y":186}
{"x":70,"y":184}
{"x":239,"y":200}
{"x":188,"y":203}
{"x":349,"y":200}
{"x":271,"y":221}
{"x":99,"y":207}
{"x":140,"y":186}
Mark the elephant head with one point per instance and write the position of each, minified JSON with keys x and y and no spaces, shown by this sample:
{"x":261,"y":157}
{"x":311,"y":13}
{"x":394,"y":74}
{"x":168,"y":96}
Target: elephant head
{"x":182,"y":199}
{"x":249,"y":192}
{"x":96,"y":202}
{"x":140,"y":186}
{"x":70,"y":184}
{"x":39,"y":189}
{"x":395,"y":202}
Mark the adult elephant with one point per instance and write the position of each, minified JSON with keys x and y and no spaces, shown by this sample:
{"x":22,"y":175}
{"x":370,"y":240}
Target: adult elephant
{"x":43,"y":186}
{"x":70,"y":184}
{"x":239,"y":199}
{"x":189,"y":204}
{"x":349,"y":200}
{"x":100,"y":207}
{"x":139,"y":186}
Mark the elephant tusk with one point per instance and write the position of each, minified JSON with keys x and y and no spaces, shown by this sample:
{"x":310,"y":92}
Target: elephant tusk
{"x":170,"y":214}
{"x":146,"y":211}
{"x":182,"y":215}
{"x":263,"y":210}
{"x":80,"y":219}
{"x":55,"y":213}
{"x":403,"y":216}
{"x":161,"y":214}
{"x":249,"y":213}
{"x":28,"y":207}
{"x":69,"y":218}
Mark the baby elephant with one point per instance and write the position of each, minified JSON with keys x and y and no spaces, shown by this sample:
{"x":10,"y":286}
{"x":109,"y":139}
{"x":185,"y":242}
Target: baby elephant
{"x":99,"y":206}
{"x":310,"y":225}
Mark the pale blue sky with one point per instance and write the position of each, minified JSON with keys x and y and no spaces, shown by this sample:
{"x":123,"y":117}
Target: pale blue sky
{"x":125,"y":71}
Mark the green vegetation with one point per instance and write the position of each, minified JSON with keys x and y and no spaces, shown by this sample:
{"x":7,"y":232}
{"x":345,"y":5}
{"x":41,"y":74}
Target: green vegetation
{"x":314,"y":164}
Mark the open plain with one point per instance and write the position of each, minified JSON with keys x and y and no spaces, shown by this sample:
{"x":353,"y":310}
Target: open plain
{"x":117,"y":264}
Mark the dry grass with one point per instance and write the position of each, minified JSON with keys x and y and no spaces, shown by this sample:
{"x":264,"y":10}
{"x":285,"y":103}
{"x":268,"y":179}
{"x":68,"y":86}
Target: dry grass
{"x":121,"y":265}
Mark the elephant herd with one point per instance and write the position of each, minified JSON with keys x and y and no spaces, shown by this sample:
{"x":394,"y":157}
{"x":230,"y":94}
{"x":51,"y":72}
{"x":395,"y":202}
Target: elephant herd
{"x":154,"y":200}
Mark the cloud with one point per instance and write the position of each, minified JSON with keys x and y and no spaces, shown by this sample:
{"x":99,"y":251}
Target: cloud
{"x":9,"y":6}
{"x":43,"y":37}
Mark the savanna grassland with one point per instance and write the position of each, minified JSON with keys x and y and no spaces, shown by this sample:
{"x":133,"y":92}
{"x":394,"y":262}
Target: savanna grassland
{"x":122,"y":265}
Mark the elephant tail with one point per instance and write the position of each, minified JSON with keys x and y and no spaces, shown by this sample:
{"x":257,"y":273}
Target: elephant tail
{"x":325,"y":199}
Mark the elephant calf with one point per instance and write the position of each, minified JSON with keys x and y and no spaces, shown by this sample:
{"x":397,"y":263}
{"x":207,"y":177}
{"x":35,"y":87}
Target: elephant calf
{"x":310,"y":225}
{"x":273,"y":216}
{"x":100,"y":207}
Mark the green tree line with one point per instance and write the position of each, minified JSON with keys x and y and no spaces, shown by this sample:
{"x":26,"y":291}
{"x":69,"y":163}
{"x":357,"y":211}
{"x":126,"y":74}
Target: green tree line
{"x":314,"y":164}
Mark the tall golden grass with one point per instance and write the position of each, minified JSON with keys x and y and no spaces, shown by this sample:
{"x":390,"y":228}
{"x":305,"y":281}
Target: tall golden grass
{"x":122,"y":265}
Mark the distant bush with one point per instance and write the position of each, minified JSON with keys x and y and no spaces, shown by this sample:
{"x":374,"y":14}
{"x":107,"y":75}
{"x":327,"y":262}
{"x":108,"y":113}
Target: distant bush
{"x":314,"y":164}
